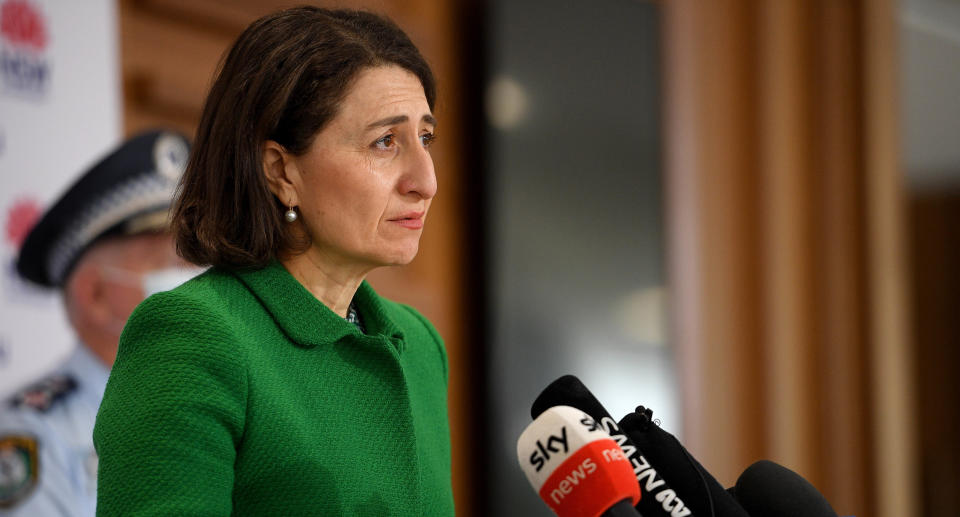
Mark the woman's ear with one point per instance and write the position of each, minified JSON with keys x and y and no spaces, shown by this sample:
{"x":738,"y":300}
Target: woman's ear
{"x":278,"y":167}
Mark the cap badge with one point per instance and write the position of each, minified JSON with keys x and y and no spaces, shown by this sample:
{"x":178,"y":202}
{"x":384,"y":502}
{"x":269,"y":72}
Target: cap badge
{"x":170,"y":153}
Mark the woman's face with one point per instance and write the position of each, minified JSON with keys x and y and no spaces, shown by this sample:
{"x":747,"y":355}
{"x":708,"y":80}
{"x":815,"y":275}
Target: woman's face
{"x":365,"y":184}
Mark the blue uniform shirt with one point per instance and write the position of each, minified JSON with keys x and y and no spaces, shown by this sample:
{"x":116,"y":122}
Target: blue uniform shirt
{"x":48,"y":466}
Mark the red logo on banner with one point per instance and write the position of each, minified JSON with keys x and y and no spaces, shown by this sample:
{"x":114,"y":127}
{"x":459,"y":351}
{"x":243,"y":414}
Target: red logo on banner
{"x":22,"y":24}
{"x":20,"y":220}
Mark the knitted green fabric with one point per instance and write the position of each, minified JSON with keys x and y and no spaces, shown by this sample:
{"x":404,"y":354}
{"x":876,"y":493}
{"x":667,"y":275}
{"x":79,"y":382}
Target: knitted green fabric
{"x":242,"y":394}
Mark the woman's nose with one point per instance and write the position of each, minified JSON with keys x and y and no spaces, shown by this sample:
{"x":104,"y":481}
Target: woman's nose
{"x":419,"y":177}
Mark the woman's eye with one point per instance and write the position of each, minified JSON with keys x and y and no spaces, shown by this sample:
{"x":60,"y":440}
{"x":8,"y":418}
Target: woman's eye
{"x":384,"y":143}
{"x":427,"y":138}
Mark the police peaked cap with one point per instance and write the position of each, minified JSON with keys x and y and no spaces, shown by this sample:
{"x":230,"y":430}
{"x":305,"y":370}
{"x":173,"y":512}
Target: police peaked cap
{"x":128,"y":192}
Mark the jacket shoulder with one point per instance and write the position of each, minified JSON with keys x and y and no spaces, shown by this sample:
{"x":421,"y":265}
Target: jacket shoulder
{"x":202,"y":297}
{"x":199,"y":314}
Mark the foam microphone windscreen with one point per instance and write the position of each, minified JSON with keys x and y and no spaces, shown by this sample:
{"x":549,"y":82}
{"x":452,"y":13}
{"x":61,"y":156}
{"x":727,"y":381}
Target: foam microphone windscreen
{"x":561,"y":392}
{"x":699,"y":490}
{"x":575,"y":466}
{"x":766,"y":489}
{"x":658,"y":499}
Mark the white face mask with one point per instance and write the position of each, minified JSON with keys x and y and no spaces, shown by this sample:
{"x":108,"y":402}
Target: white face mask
{"x":154,"y":281}
{"x":150,"y":282}
{"x":166,"y":279}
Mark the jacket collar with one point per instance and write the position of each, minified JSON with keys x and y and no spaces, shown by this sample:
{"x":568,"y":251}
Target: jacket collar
{"x":304,"y":318}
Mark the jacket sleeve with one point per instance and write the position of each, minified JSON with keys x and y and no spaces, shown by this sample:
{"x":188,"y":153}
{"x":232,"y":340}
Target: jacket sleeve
{"x":172,"y":415}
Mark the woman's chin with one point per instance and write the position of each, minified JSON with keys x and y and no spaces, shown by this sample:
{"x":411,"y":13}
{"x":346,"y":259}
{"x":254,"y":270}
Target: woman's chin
{"x":402,"y":256}
{"x":404,"y":259}
{"x":396,"y":256}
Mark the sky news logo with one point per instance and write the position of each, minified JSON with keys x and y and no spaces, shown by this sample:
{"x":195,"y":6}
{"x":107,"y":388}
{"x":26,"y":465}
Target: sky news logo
{"x":24,"y":39}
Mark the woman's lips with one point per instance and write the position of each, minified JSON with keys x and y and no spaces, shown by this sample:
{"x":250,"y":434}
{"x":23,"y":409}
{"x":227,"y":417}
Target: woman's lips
{"x":412,"y":221}
{"x":413,"y":224}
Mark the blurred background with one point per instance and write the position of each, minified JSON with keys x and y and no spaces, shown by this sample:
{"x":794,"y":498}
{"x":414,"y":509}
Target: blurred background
{"x":741,"y":213}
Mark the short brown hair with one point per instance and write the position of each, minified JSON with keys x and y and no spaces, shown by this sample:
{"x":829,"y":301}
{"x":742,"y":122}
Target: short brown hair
{"x":282,"y":80}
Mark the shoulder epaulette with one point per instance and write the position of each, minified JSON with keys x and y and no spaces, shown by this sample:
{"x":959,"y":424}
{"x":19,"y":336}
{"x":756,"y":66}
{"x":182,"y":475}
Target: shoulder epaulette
{"x":45,"y":393}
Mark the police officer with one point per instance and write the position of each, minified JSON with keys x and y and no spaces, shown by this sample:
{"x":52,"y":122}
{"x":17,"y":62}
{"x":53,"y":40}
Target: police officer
{"x":104,"y":245}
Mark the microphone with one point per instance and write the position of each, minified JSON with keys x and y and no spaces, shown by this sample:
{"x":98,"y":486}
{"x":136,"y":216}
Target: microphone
{"x":766,"y":489}
{"x":702,"y":493}
{"x":577,"y":469}
{"x":659,"y":499}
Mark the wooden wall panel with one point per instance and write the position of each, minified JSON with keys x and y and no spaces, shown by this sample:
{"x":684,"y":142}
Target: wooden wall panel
{"x":935,"y":220}
{"x":837,"y":139}
{"x":786,"y":226}
{"x":787,"y":245}
{"x":892,"y":388}
{"x":712,"y":248}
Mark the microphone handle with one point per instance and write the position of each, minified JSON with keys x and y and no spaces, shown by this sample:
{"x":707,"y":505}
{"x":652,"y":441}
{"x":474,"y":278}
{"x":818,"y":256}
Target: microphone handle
{"x":621,"y":509}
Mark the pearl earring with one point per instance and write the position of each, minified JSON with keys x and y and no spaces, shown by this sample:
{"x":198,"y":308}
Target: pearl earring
{"x":290,"y":215}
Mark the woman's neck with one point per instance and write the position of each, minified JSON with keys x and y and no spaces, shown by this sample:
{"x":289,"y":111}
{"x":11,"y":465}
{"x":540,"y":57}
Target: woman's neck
{"x":332,"y":282}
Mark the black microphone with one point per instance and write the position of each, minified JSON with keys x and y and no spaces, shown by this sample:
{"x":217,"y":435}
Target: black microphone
{"x":658,"y":498}
{"x":767,"y":489}
{"x":701,"y":492}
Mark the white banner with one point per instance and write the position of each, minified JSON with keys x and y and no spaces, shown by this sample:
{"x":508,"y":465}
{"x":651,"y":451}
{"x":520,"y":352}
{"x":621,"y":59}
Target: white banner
{"x":60,"y":110}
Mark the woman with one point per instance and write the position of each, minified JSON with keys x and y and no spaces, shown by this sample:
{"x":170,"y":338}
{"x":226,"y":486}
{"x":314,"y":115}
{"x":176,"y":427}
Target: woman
{"x":279,"y":382}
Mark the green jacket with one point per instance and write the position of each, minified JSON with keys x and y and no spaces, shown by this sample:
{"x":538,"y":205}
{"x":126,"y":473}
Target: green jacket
{"x":241,"y":393}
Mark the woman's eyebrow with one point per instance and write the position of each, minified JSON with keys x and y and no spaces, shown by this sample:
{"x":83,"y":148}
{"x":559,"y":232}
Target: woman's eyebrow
{"x":399,"y":119}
